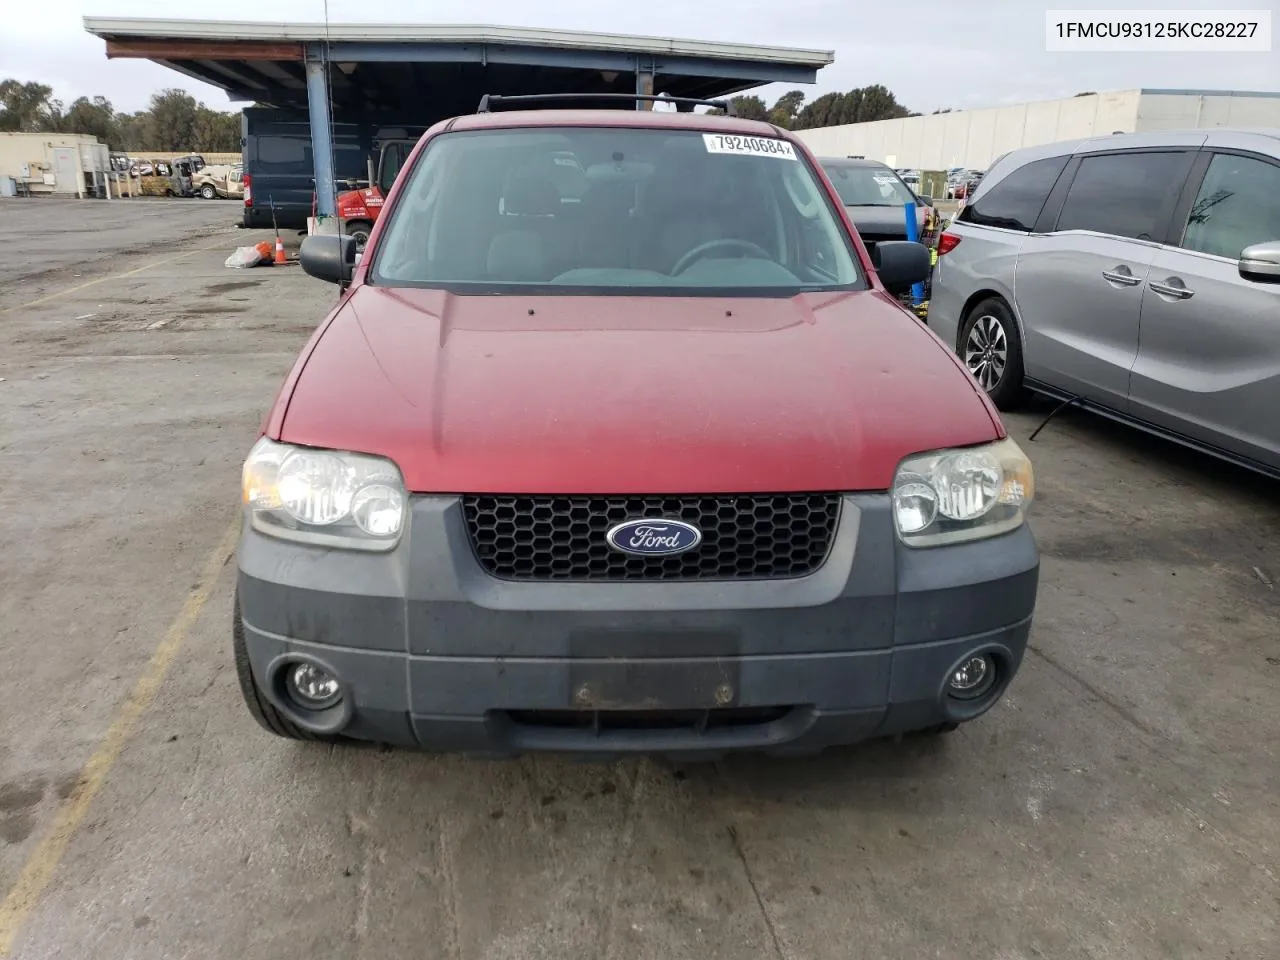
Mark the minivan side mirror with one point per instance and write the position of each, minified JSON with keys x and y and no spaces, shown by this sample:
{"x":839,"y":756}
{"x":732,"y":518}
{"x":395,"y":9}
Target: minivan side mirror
{"x":1261,"y":262}
{"x":901,"y":264}
{"x":328,"y":256}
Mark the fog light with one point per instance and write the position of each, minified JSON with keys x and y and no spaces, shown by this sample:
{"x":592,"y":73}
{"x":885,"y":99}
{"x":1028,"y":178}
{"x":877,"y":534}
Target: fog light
{"x":972,"y":678}
{"x":313,"y":687}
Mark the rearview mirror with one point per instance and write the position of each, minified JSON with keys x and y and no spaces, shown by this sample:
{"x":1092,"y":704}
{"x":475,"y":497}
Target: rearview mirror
{"x":1261,"y":262}
{"x":900,"y":264}
{"x":328,"y":256}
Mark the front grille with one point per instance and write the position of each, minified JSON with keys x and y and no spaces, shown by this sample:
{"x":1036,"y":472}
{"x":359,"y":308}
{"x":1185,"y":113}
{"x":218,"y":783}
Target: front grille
{"x":749,"y":537}
{"x":605,"y":720}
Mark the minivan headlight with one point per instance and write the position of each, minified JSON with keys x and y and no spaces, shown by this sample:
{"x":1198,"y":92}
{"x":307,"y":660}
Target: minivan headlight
{"x":949,"y":496}
{"x":324,"y":497}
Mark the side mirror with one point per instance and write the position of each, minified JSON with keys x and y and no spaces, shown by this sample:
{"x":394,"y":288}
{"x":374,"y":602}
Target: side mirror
{"x":330,"y":257}
{"x":900,"y":264}
{"x":1261,"y":262}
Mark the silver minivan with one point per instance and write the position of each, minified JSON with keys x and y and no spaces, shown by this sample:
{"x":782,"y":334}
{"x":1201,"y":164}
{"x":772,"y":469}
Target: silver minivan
{"x":1137,"y":275}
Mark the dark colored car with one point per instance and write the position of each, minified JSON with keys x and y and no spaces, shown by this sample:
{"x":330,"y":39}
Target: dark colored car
{"x":659,"y":467}
{"x":279,"y":166}
{"x":875,"y":198}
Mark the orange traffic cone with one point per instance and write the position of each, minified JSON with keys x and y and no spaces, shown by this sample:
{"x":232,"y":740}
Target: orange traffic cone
{"x":280,"y":257}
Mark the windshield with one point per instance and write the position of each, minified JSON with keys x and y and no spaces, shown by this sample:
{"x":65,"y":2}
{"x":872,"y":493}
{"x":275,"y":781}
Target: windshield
{"x":614,"y":209}
{"x":861,"y":186}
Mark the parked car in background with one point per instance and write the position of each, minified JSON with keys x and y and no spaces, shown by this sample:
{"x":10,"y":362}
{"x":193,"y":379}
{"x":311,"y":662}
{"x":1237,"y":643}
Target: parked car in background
{"x":875,"y":196}
{"x":1172,"y":235}
{"x":225,"y":181}
{"x":960,"y":182}
{"x":194,"y":161}
{"x":966,"y":187}
{"x":480,"y":516}
{"x":166,"y":178}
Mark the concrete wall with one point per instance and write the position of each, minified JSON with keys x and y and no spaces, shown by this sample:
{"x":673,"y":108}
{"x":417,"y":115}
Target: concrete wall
{"x":974,"y":138}
{"x":1180,"y":111}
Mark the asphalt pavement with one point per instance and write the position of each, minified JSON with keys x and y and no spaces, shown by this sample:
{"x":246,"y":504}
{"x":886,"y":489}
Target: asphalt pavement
{"x":1122,"y":802}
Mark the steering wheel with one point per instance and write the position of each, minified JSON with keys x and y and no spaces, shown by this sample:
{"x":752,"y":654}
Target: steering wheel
{"x":702,"y":249}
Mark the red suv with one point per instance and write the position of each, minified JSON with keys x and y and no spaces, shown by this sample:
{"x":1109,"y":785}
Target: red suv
{"x":661,"y":467}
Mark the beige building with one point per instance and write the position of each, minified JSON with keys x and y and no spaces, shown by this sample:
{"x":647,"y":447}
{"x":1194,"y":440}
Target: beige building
{"x":974,"y":138}
{"x":72,"y":165}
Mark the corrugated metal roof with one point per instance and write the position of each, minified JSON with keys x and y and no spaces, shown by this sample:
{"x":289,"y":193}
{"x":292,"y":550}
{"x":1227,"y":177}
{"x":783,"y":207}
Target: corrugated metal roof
{"x":108,"y":27}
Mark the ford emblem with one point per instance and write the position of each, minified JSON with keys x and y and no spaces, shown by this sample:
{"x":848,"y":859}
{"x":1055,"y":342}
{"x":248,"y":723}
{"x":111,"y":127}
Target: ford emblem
{"x":654,"y":537}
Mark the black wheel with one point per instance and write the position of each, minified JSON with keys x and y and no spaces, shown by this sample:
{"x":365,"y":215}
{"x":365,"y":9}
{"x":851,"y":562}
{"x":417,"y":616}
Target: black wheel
{"x":991,"y":349}
{"x":360,"y":229}
{"x":208,"y":192}
{"x":268,"y":717}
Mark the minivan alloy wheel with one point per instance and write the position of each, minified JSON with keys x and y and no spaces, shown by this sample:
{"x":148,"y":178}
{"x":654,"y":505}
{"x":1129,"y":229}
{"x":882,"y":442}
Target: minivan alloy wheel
{"x":986,"y":351}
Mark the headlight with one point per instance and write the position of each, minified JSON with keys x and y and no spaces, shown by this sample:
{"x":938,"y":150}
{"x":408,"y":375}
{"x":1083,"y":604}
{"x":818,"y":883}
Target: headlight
{"x":324,"y":497}
{"x":954,"y":495}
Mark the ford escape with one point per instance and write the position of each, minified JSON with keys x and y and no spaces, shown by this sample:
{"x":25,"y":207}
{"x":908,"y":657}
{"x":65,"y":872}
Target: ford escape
{"x":659,"y":467}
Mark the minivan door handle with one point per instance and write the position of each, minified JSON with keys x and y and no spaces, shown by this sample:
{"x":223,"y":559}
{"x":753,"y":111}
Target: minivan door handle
{"x":1173,"y":287}
{"x":1121,"y":275}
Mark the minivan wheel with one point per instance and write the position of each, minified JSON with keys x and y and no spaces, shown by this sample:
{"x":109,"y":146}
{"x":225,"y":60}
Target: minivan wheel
{"x":268,"y":717}
{"x":991,"y":349}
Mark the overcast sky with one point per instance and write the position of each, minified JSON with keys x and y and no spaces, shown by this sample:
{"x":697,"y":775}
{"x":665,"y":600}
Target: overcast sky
{"x":950,"y":53}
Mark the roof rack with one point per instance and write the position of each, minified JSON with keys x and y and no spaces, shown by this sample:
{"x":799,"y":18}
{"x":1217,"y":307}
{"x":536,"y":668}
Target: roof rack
{"x":491,"y":100}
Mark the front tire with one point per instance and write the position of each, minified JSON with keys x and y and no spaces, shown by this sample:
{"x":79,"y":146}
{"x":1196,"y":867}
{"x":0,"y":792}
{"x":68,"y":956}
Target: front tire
{"x":991,"y":349}
{"x":208,"y":192}
{"x":268,"y":717}
{"x":360,"y":230}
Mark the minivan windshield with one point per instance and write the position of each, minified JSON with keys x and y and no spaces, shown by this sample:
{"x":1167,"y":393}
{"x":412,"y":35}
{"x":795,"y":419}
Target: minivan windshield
{"x":867,"y":186}
{"x":612,"y":210}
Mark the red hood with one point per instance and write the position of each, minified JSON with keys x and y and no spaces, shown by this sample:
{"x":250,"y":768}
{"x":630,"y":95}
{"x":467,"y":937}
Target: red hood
{"x":588,"y":395}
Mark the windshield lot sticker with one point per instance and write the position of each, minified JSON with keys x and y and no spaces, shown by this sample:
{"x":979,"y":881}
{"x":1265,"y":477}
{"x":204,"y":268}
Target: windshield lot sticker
{"x":885,"y":181}
{"x":751,"y":146}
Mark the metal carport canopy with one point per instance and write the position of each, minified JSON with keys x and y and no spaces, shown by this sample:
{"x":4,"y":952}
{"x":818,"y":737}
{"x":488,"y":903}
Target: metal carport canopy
{"x":448,"y":67}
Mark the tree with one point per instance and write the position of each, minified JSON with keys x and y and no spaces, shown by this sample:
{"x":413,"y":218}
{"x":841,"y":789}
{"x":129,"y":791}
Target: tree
{"x":95,"y":117}
{"x":173,"y":121}
{"x":784,"y":111}
{"x":861,"y":105}
{"x":750,"y":108}
{"x":216,"y":132}
{"x":28,"y":107}
{"x":133,"y":130}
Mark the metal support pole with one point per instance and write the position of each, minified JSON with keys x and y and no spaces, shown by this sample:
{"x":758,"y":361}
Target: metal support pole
{"x":644,"y":86}
{"x":913,"y":234}
{"x":321,"y":142}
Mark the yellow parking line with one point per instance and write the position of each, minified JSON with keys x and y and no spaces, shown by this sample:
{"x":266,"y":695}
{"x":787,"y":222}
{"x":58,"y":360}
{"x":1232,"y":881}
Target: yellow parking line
{"x":39,"y":868}
{"x":93,"y":283}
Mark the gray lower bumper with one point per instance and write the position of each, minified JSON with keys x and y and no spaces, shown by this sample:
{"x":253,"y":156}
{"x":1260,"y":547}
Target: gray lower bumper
{"x":435,"y":653}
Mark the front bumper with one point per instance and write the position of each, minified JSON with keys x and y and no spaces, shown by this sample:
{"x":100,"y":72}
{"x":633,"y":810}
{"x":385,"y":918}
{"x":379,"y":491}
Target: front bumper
{"x":434,"y":652}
